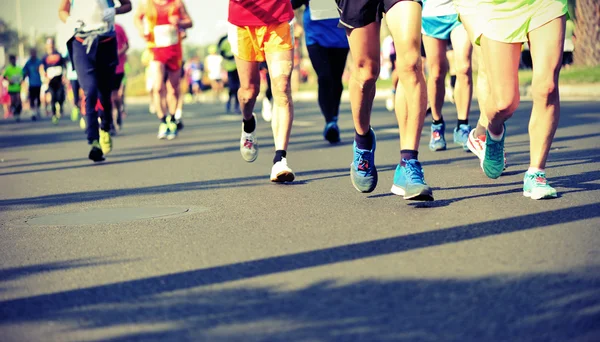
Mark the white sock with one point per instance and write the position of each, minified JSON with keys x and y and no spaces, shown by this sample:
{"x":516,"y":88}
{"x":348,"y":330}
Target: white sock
{"x":496,"y":137}
{"x":535,"y":169}
{"x":178,"y":114}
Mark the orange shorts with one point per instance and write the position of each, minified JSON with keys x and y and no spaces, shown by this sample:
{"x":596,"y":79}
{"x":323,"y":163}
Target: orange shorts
{"x":250,"y":43}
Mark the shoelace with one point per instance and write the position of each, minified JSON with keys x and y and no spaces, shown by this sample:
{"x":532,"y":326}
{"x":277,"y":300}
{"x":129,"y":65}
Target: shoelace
{"x":495,"y":150}
{"x":414,"y":171}
{"x":539,"y":179}
{"x":363,"y":163}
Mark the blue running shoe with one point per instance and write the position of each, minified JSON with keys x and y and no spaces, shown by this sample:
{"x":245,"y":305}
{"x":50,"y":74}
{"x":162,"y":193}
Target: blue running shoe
{"x":362,"y":170}
{"x":461,"y":136}
{"x":493,"y":159}
{"x":535,"y":186}
{"x":331,"y":132}
{"x":438,"y":141}
{"x":409,"y":182}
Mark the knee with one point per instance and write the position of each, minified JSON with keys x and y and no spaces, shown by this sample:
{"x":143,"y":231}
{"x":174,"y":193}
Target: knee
{"x":248,"y":92}
{"x":437,"y":72}
{"x":409,"y":66}
{"x":366,"y":71}
{"x":463,"y":70}
{"x":282,"y":91}
{"x":545,"y":90}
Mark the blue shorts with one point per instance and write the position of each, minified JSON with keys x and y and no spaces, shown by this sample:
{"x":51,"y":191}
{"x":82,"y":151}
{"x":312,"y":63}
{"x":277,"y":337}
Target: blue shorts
{"x":440,"y":27}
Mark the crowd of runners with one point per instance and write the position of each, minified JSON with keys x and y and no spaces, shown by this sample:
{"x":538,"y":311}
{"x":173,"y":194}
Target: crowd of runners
{"x":261,"y":39}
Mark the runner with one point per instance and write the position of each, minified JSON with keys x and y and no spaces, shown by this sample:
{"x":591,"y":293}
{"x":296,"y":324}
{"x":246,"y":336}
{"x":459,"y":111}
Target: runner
{"x":93,"y":52}
{"x":213,"y":64}
{"x":328,"y":49}
{"x":52,"y":69}
{"x":31,"y":71}
{"x":193,"y":72}
{"x":116,"y":96}
{"x":14,"y":75}
{"x":441,"y":25}
{"x":260,"y":31}
{"x":233,"y":79}
{"x":159,"y":22}
{"x":362,"y":21}
{"x":503,"y":28}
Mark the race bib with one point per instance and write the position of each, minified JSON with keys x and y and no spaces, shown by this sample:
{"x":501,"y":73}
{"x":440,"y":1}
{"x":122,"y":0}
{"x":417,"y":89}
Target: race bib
{"x":54,"y":71}
{"x":165,"y":35}
{"x":16,"y":79}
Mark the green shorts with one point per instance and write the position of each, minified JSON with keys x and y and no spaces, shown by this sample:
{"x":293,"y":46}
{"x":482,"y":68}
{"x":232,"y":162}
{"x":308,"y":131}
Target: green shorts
{"x":509,"y":21}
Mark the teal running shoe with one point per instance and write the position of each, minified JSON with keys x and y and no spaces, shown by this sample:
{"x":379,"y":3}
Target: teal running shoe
{"x":363,"y":172}
{"x":409,"y":182}
{"x":535,"y":186}
{"x":438,"y":141}
{"x":493,"y":159}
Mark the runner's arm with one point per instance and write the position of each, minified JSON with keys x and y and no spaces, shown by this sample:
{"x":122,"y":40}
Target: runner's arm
{"x":185,"y":22}
{"x":64,"y":10}
{"x":138,"y":19}
{"x":124,"y":8}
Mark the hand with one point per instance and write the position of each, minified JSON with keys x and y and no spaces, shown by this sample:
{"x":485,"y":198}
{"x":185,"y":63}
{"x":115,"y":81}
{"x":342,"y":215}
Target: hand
{"x":109,"y":15}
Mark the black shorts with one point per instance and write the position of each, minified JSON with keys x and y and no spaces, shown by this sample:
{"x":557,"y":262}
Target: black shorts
{"x":360,"y":13}
{"x":118,"y":79}
{"x":34,"y":94}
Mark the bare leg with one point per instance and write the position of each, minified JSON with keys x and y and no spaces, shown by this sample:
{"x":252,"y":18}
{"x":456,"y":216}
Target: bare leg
{"x":249,"y":86}
{"x":463,"y":91}
{"x":280,"y":70}
{"x":438,"y":68}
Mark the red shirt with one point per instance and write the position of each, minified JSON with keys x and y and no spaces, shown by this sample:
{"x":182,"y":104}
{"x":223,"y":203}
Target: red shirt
{"x":260,"y":12}
{"x":121,"y":42}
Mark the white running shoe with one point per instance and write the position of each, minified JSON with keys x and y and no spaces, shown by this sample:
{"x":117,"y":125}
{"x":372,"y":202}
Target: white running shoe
{"x":281,"y":172}
{"x":267,"y":110}
{"x":249,"y":144}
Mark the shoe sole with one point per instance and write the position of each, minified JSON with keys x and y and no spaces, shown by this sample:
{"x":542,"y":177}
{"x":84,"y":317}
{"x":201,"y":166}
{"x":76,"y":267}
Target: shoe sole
{"x":528,"y":194}
{"x":284,"y":176}
{"x":251,"y":159}
{"x":434,"y":149}
{"x":422,"y":196}
{"x":365,"y":190}
{"x":171,"y":137}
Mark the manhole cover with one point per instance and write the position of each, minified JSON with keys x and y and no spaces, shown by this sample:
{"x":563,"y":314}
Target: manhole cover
{"x":106,"y":216}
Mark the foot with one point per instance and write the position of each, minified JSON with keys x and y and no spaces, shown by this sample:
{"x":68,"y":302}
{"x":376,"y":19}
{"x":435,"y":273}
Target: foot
{"x":493,"y":159}
{"x":535,"y":186}
{"x":163,"y":129}
{"x":172,"y":133}
{"x":476,"y":144}
{"x":331,"y":132}
{"x":267,"y":110}
{"x":105,"y":142}
{"x":389,"y":103}
{"x":96,"y":152}
{"x":179,"y":124}
{"x":461,"y":136}
{"x":409,"y":182}
{"x":363,"y":172}
{"x":82,"y":123}
{"x":249,"y":144}
{"x":437,"y":141}
{"x":55,"y":119}
{"x":281,"y":172}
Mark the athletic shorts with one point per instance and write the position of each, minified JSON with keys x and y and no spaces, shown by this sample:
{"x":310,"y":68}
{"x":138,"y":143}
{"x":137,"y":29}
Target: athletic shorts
{"x":439,"y":27}
{"x":360,"y":13}
{"x":250,"y":43}
{"x":511,"y":21}
{"x":34,"y":93}
{"x":171,"y":57}
{"x":118,"y":80}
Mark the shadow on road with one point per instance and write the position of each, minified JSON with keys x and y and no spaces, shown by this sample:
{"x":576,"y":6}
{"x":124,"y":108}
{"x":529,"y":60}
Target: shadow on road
{"x":560,"y":306}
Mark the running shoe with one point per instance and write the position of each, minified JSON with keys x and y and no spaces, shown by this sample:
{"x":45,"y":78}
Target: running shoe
{"x":493,"y":159}
{"x":535,"y":186}
{"x":409,"y":182}
{"x":249,"y":144}
{"x":82,"y":123}
{"x":477,"y":146}
{"x":55,"y":119}
{"x":75,"y":114}
{"x":389,"y":103}
{"x":105,"y":142}
{"x":331,"y":132}
{"x":438,"y":141}
{"x":267,"y":110}
{"x":281,"y":172}
{"x":163,"y":129}
{"x":461,"y":136}
{"x":96,"y":152}
{"x":363,"y":172}
{"x":179,"y":124}
{"x":172,"y":126}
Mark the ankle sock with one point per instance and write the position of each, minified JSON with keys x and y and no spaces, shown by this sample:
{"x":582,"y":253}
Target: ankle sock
{"x":408,"y":155}
{"x":364,"y":142}
{"x":249,"y":125}
{"x":279,"y":155}
{"x":461,"y":122}
{"x":437,"y":122}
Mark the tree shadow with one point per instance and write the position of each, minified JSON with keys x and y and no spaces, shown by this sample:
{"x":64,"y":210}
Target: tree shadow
{"x":549,"y":306}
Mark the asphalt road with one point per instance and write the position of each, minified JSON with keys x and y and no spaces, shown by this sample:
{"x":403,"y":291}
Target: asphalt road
{"x":228,"y":256}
